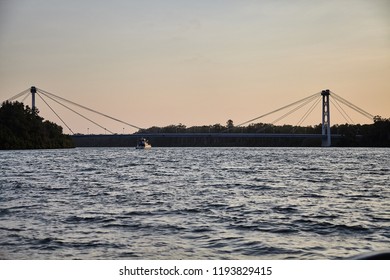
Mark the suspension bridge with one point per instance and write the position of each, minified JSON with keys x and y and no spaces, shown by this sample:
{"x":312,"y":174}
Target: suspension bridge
{"x":312,"y":101}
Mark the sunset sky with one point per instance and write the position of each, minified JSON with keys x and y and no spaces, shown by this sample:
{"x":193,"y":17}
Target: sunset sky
{"x":195,"y":62}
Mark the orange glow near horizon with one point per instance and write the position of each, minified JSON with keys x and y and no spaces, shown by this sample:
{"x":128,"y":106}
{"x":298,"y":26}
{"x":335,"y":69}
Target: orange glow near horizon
{"x":157,"y":63}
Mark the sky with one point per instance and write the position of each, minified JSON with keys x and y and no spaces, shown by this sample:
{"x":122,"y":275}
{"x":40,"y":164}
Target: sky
{"x":157,"y":63}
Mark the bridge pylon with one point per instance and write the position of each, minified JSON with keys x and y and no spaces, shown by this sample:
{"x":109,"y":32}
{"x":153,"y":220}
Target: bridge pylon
{"x":33,"y":91}
{"x":326,"y":137}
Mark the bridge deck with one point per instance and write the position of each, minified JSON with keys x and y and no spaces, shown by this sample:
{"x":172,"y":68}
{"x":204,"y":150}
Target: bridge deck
{"x":206,"y":135}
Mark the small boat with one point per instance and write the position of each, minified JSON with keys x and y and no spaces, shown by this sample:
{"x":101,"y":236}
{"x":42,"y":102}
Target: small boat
{"x":143,"y":144}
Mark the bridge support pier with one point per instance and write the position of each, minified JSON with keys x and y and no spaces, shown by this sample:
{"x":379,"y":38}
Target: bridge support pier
{"x":33,"y":91}
{"x":326,"y":137}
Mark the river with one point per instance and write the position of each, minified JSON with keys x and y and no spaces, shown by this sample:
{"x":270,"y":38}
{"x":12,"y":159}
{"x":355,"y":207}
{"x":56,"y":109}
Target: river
{"x":194,"y":203}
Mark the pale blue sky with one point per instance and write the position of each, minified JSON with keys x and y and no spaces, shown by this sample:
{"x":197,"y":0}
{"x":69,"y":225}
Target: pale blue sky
{"x":196,"y":62}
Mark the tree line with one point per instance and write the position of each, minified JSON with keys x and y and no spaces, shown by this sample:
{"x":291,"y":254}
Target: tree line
{"x":355,"y":135}
{"x":352,"y":135}
{"x":21,"y":127}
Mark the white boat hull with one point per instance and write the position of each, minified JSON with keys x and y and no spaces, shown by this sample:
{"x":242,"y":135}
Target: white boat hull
{"x":146,"y":147}
{"x":143,"y":144}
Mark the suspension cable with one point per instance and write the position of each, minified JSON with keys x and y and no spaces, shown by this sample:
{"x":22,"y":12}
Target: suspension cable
{"x":290,"y":112}
{"x":18,"y":95}
{"x":55,"y":113}
{"x":24,"y":98}
{"x":352,"y":106}
{"x":341,"y":110}
{"x":294,"y":109}
{"x":308,"y":112}
{"x":86,"y":108}
{"x":336,"y":98}
{"x":75,"y":112}
{"x":282,"y":108}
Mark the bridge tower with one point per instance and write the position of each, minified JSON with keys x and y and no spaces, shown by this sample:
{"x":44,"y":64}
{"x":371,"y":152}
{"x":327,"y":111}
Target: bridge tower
{"x":326,"y":137}
{"x":33,"y":90}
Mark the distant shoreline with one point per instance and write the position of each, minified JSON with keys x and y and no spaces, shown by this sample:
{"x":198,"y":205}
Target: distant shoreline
{"x":22,"y":128}
{"x":208,"y":140}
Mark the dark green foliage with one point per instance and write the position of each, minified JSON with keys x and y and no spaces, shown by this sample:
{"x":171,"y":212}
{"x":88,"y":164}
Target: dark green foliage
{"x":22,"y":128}
{"x":368,"y":135}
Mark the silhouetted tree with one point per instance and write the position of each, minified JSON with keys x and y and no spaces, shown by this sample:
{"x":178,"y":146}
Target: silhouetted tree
{"x":368,"y":135}
{"x":22,"y":128}
{"x":229,"y":124}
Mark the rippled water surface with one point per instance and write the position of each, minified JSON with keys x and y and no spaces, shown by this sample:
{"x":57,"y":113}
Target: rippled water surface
{"x":192,"y":203}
